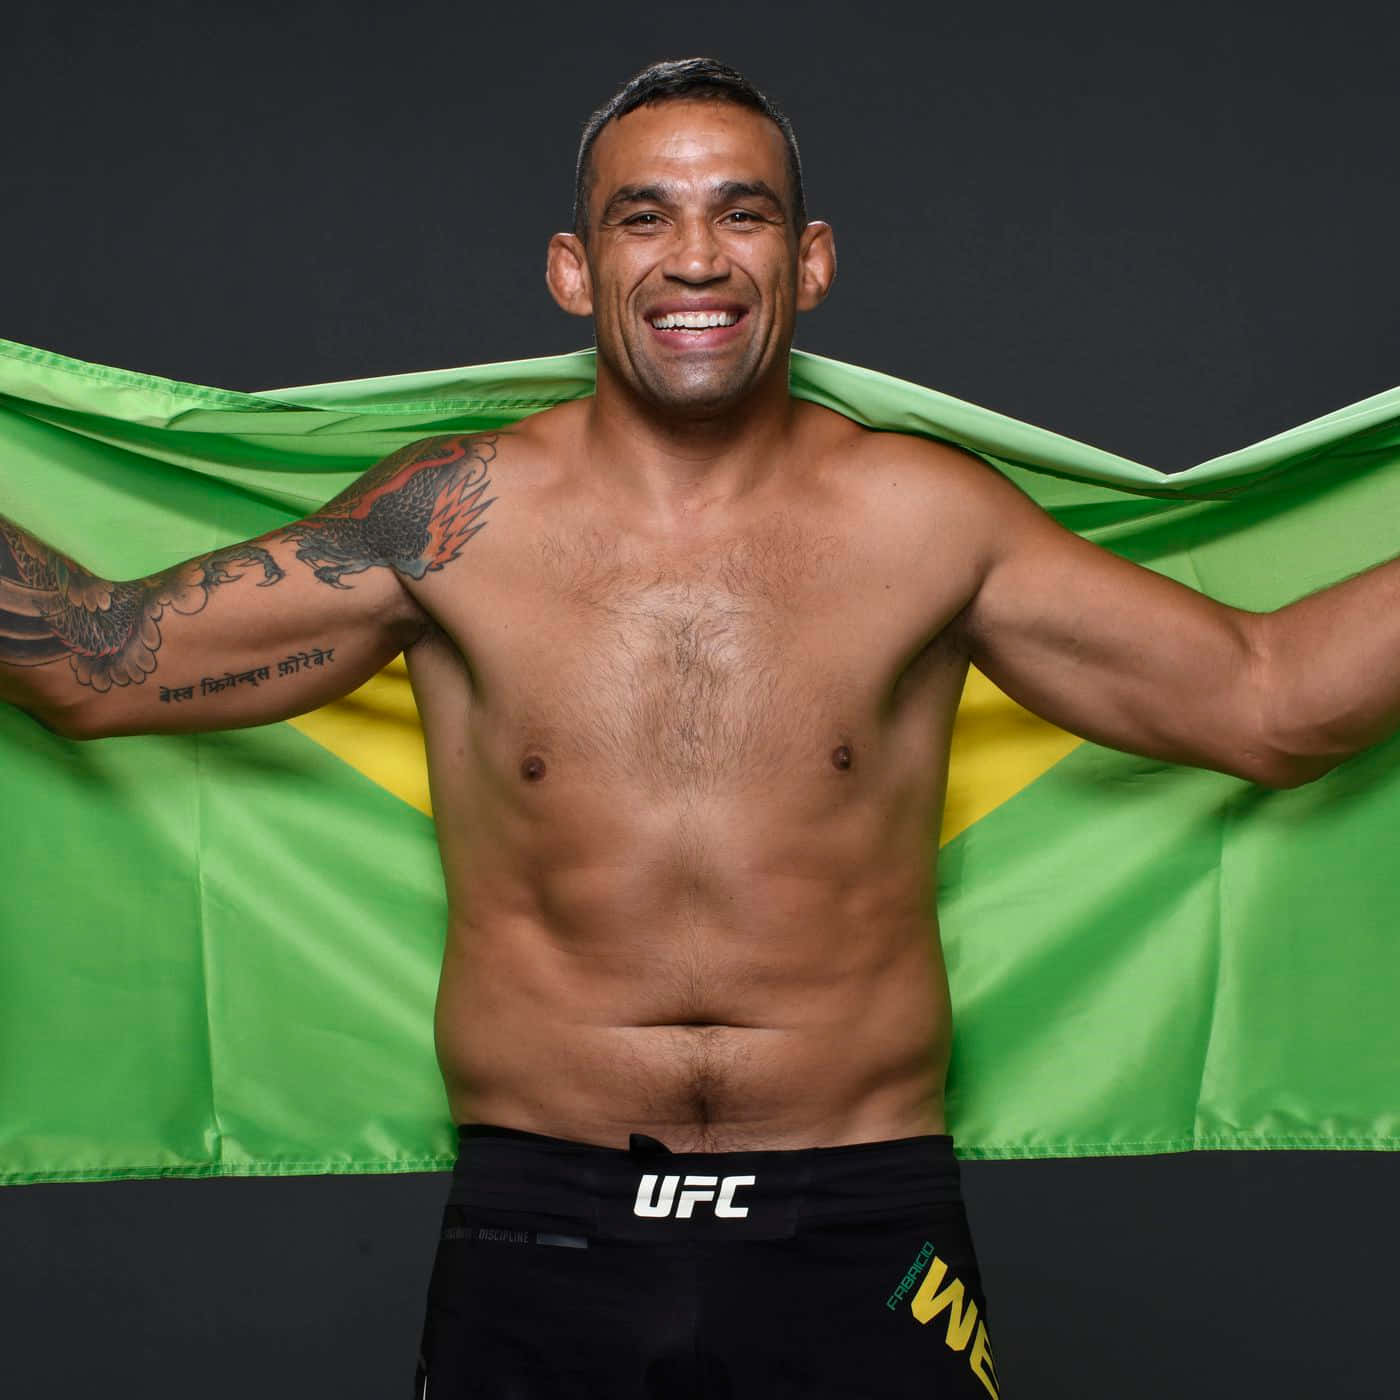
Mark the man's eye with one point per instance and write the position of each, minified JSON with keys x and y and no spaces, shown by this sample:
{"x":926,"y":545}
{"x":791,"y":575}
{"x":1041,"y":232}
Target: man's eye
{"x":742,"y":216}
{"x":644,"y":219}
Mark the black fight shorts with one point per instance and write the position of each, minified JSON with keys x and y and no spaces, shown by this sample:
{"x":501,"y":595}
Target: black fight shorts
{"x":573,"y":1272}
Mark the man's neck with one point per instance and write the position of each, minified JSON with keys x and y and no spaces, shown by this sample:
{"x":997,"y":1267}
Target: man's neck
{"x":672,"y":467}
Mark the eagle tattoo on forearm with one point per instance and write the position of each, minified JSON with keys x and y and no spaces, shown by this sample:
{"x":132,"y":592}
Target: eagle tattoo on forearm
{"x":412,"y":513}
{"x":51,"y":607}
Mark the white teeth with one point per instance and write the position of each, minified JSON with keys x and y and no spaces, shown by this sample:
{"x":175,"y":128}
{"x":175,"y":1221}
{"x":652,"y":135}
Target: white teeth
{"x":694,"y":320}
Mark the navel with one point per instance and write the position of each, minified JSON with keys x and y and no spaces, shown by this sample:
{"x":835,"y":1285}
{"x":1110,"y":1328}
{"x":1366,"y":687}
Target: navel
{"x":841,"y":757}
{"x":532,"y":769}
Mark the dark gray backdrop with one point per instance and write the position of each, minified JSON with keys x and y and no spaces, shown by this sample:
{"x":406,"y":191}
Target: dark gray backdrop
{"x":1166,"y":231}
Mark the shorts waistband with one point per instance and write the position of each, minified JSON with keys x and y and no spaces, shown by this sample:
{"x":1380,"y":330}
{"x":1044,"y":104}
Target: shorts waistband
{"x":648,"y":1192}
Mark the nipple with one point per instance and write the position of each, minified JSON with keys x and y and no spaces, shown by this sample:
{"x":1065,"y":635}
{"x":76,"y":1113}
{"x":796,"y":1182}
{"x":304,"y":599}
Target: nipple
{"x":841,"y":757}
{"x":532,"y":769}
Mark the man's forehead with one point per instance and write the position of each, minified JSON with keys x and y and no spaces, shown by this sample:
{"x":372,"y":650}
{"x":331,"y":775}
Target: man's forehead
{"x":668,"y":141}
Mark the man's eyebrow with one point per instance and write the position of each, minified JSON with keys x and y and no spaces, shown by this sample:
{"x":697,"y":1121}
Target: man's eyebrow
{"x":748,"y":189}
{"x":637,"y":194}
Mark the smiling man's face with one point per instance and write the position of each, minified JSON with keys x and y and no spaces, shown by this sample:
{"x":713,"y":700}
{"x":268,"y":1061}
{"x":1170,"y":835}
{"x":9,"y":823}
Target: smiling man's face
{"x":692,"y":270}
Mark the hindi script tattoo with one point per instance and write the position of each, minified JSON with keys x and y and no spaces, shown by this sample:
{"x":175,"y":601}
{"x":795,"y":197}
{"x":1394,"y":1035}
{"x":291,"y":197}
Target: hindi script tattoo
{"x":412,"y":513}
{"x":254,"y":676}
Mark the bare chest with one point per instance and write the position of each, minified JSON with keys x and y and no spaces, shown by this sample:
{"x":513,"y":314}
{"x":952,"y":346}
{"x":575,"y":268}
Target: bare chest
{"x":686,"y":665}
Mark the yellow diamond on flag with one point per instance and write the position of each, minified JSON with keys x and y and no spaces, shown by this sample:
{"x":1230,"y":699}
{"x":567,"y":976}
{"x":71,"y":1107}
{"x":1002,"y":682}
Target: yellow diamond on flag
{"x":998,"y":749}
{"x":376,"y":730}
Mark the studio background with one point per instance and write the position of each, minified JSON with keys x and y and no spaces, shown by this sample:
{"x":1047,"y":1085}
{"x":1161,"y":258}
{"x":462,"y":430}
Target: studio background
{"x":1168,"y":233}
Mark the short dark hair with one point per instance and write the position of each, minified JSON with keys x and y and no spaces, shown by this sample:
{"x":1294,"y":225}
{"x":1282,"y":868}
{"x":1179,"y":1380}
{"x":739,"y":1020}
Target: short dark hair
{"x":697,"y":79}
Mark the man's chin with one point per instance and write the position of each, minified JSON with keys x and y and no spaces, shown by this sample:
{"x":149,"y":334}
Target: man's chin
{"x":697,"y":397}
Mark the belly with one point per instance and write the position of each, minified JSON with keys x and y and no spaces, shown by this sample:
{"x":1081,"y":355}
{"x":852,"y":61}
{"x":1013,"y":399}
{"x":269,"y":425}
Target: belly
{"x":795,"y":1033}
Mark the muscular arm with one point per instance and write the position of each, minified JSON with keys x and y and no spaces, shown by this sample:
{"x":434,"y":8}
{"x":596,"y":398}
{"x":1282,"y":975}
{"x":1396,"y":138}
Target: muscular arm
{"x":1135,"y":661}
{"x":245,"y":634}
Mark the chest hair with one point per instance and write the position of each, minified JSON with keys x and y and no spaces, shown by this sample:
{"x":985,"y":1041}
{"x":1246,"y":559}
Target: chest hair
{"x":691,"y":654}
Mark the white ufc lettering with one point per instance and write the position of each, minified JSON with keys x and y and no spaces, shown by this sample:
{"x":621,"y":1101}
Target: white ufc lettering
{"x":690,"y":1195}
{"x":725,"y":1205}
{"x":649,"y":1202}
{"x":657,"y":1194}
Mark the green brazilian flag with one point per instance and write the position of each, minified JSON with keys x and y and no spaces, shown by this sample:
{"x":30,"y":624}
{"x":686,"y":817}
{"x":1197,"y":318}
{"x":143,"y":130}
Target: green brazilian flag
{"x":218,"y":953}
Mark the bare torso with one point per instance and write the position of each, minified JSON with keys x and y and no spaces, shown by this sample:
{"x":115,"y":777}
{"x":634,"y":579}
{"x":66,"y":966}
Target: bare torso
{"x":688,"y":780}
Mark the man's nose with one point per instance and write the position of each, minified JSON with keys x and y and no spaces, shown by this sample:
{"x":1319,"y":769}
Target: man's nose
{"x":697,"y":254}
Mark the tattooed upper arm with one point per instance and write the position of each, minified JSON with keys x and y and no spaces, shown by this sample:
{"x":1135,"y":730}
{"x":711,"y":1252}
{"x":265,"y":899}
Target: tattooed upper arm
{"x":330,"y":585}
{"x":412,"y":513}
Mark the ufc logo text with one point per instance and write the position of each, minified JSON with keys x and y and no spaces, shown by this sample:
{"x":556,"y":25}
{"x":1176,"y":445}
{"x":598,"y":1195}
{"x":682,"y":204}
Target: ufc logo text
{"x":656,"y":1201}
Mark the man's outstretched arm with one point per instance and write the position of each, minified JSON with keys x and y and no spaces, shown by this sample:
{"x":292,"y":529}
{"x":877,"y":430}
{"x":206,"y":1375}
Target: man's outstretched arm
{"x":249,"y":633}
{"x":1127,"y":658}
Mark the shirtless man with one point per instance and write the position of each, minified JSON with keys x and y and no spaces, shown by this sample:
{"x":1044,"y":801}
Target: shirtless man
{"x":687,"y":655}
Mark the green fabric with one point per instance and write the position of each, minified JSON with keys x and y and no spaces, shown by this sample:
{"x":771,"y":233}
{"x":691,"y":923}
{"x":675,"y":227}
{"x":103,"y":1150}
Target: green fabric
{"x":218,"y":953}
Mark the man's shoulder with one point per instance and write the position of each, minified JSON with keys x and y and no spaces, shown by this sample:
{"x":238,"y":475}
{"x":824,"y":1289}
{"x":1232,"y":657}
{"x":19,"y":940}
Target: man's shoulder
{"x":908,"y":470}
{"x":528,"y":449}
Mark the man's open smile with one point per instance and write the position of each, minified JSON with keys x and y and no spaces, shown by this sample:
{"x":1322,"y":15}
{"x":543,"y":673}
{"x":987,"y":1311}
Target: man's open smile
{"x":690,"y":327}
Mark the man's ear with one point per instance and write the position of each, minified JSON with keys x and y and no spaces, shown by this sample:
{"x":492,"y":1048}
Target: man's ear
{"x":816,"y":264}
{"x":566,"y":274}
